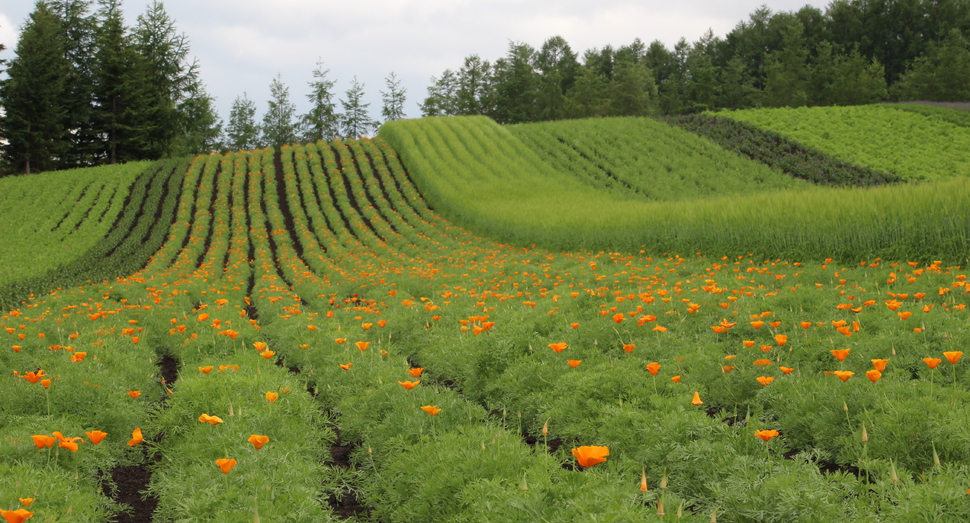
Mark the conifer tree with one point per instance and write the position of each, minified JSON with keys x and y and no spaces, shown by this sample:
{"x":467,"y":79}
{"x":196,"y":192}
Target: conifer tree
{"x":32,"y":97}
{"x":355,"y":121}
{"x":242,"y":133}
{"x":278,"y":125}
{"x":393,"y":108}
{"x":321,"y":123}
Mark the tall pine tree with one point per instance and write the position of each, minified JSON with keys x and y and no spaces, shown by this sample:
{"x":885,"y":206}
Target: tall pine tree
{"x":279,"y":127}
{"x":32,"y":97}
{"x":355,"y":121}
{"x":393,"y":99}
{"x":321,"y":123}
{"x":242,"y":133}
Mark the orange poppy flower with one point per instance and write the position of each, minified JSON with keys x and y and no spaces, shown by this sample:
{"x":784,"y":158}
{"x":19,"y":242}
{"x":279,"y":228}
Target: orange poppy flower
{"x":17,"y":348}
{"x":727,"y":368}
{"x":134,"y":393}
{"x":362,"y":345}
{"x":781,"y":339}
{"x":932,"y":362}
{"x":766,"y":348}
{"x":136,"y":437}
{"x":211,"y":420}
{"x":589,"y":455}
{"x":953,"y":356}
{"x":766,"y":435}
{"x":366,"y":326}
{"x":843,"y":375}
{"x":409,"y":384}
{"x":762,"y":362}
{"x":415,"y":372}
{"x":43,"y":440}
{"x":267,"y":354}
{"x":431,"y":409}
{"x":574,"y":363}
{"x":16,"y":516}
{"x":757,"y":324}
{"x":765,"y":380}
{"x":654,"y":368}
{"x":904,"y":315}
{"x":805,"y":324}
{"x":574,"y":325}
{"x":879,"y":365}
{"x":33,"y":376}
{"x":346,"y":366}
{"x":558,"y":347}
{"x":840,"y":354}
{"x":660,"y":328}
{"x":748,"y":343}
{"x":78,"y":357}
{"x":675,"y":379}
{"x":628,"y":347}
{"x":96,"y":436}
{"x":202,"y":317}
{"x":205,"y":370}
{"x":618,"y":317}
{"x":69,"y":444}
{"x":697,"y":399}
{"x":26,"y":501}
{"x":46,"y":383}
{"x":225,"y":465}
{"x":786,"y":370}
{"x":340,"y":341}
{"x":272,"y":396}
{"x":258,"y":441}
{"x":873,"y":375}
{"x":260,"y":346}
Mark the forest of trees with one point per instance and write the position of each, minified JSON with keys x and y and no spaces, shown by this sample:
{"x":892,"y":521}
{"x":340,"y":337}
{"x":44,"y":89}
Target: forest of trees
{"x":84,"y":89}
{"x":854,"y":52}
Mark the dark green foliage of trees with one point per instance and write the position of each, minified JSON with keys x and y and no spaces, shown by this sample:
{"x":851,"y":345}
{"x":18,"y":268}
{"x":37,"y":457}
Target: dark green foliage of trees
{"x":853,"y":52}
{"x":84,"y":89}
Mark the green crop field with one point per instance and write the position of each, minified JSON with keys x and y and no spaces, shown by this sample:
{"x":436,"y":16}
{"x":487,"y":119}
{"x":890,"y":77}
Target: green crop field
{"x":447,"y":324}
{"x":917,"y":143}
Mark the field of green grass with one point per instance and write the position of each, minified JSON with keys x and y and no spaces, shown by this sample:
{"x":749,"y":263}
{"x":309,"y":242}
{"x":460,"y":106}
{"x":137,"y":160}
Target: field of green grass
{"x":342,"y":332}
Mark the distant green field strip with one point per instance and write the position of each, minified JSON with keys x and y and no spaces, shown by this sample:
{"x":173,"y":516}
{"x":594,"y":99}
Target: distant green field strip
{"x":478,"y":174}
{"x":955,"y":116}
{"x":653,"y":159}
{"x":51,"y":219}
{"x":912,"y":145}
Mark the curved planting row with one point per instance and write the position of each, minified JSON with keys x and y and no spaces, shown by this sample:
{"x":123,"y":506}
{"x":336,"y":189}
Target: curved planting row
{"x":333,"y":348}
{"x":54,"y":218}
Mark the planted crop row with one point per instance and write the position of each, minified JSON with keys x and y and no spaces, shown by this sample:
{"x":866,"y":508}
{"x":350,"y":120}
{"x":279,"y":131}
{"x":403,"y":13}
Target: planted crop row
{"x":479,"y":175}
{"x":54,"y":218}
{"x":876,"y":136}
{"x":652,"y":160}
{"x":776,"y":151}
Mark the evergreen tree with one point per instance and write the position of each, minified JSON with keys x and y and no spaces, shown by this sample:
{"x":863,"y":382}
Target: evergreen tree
{"x":279,"y":127}
{"x":32,"y":97}
{"x":442,"y":97}
{"x":170,"y":76}
{"x":588,"y":97}
{"x":737,"y":87}
{"x":121,"y":90}
{"x":516,"y":85}
{"x":845,"y":79}
{"x":393,"y":108}
{"x":242,"y":133}
{"x":199,"y":126}
{"x":78,"y":28}
{"x":355,"y":121}
{"x":632,"y":90}
{"x":321,"y":123}
{"x":474,"y":92}
{"x":558,"y":67}
{"x":787,"y":81}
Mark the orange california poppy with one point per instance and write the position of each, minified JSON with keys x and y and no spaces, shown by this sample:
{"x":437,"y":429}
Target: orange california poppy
{"x":628,"y":347}
{"x":267,"y":354}
{"x":660,"y":328}
{"x":260,"y":346}
{"x":574,"y":363}
{"x":879,"y":365}
{"x":762,"y":362}
{"x":69,"y":444}
{"x":96,"y":436}
{"x":26,"y":501}
{"x":619,"y":317}
{"x":78,"y":356}
{"x":932,"y":362}
{"x":225,"y":465}
{"x":766,"y":435}
{"x":211,"y":420}
{"x":953,"y":356}
{"x":574,"y":325}
{"x":340,"y":341}
{"x":33,"y":376}
{"x":362,"y":345}
{"x":16,"y":516}
{"x":272,"y":396}
{"x":805,"y":324}
{"x":873,"y":375}
{"x":366,"y":326}
{"x":46,"y":383}
{"x":136,"y":437}
{"x":205,"y":370}
{"x":654,"y":368}
{"x":765,"y":380}
{"x":843,"y":375}
{"x":43,"y":440}
{"x":134,"y":393}
{"x":748,"y":343}
{"x":589,"y":455}
{"x":415,"y":372}
{"x":697,"y":399}
{"x":904,"y":315}
{"x":781,"y":339}
{"x":786,"y":370}
{"x":258,"y":441}
{"x":675,"y":379}
{"x":558,"y":347}
{"x":431,"y":409}
{"x":840,"y":354}
{"x":346,"y":366}
{"x":757,"y":324}
{"x":409,"y":384}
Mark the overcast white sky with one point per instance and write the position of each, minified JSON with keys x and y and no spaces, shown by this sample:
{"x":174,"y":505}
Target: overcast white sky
{"x":242,"y":45}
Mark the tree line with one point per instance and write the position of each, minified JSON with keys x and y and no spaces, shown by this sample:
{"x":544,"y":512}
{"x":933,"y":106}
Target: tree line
{"x":84,"y":89}
{"x":854,"y":52}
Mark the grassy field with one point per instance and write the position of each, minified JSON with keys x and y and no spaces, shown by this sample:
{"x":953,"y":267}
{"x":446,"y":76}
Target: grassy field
{"x":316,"y":339}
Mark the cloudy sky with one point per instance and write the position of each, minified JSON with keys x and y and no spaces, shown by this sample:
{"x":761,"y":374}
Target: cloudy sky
{"x":241,"y":45}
